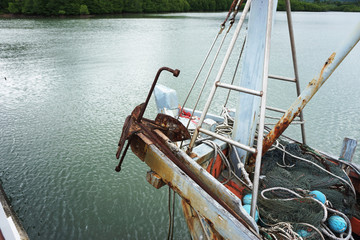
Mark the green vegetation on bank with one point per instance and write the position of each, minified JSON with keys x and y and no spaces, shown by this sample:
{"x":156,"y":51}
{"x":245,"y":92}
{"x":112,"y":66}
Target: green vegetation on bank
{"x":321,"y":6}
{"x":76,"y":7}
{"x":85,"y":7}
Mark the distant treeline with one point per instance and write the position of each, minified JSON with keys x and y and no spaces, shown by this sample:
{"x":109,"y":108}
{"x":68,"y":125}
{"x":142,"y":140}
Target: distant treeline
{"x":321,"y":6}
{"x":76,"y":7}
{"x":85,"y":7}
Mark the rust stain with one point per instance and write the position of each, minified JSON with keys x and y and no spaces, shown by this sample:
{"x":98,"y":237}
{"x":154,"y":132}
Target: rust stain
{"x":154,"y":179}
{"x":288,"y":117}
{"x":193,"y":155}
{"x":135,"y":122}
{"x":136,"y":125}
{"x":327,"y":63}
{"x":174,"y":129}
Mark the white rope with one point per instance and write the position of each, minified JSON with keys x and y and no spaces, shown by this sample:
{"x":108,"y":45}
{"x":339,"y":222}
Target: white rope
{"x":321,"y":168}
{"x":283,"y":157}
{"x":290,"y":199}
{"x":315,"y":228}
{"x":243,"y":171}
{"x":324,"y":229}
{"x":225,"y":129}
{"x":284,"y":229}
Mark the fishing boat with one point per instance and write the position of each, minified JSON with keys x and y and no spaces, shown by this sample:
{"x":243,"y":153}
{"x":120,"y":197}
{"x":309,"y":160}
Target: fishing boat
{"x":237,"y":176}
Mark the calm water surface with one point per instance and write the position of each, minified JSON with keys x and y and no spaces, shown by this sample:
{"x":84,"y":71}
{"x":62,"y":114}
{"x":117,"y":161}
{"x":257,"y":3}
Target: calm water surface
{"x":71,"y":83}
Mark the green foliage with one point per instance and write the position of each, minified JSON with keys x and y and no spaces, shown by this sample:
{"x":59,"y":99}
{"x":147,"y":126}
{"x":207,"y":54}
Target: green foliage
{"x":84,"y":10}
{"x":133,"y":6}
{"x":14,"y":7}
{"x":319,"y":6}
{"x":52,"y":7}
{"x":39,"y":7}
{"x":3,"y":6}
{"x":27,"y":7}
{"x":79,"y":7}
{"x":118,"y":6}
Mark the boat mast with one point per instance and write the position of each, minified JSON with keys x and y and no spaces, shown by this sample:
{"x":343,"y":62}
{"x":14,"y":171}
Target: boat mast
{"x":254,"y":73}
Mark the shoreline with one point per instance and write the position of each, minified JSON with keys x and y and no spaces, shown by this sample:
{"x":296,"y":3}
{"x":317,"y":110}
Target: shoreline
{"x":119,"y":15}
{"x":25,"y":16}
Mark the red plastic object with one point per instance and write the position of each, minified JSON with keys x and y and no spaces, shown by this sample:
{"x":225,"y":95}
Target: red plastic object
{"x":355,"y":225}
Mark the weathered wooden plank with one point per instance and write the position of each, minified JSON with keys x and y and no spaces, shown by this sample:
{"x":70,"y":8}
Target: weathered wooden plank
{"x":198,"y":227}
{"x":215,"y":186}
{"x":348,"y":149}
{"x":216,"y":215}
{"x":247,"y":110}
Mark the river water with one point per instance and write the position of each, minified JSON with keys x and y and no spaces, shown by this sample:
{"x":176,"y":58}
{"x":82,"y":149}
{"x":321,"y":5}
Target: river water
{"x":70,"y":83}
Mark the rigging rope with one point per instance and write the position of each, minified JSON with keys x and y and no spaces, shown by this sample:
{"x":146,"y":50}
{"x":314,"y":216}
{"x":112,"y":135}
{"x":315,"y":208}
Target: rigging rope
{"x":236,"y":68}
{"x":173,"y":216}
{"x":169,"y":210}
{"x":232,"y":8}
{"x":207,"y":76}
{"x":201,"y":68}
{"x":222,"y":27}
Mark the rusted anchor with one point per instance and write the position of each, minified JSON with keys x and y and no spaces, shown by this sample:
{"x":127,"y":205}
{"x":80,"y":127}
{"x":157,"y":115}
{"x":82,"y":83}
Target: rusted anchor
{"x":135,"y":123}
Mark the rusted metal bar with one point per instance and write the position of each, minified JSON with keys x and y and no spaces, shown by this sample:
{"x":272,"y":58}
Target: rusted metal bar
{"x":130,"y":124}
{"x":118,"y":167}
{"x":329,"y":67}
{"x":175,"y":72}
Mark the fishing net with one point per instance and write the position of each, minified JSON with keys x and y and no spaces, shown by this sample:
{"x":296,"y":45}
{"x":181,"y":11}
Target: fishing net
{"x":289,"y":172}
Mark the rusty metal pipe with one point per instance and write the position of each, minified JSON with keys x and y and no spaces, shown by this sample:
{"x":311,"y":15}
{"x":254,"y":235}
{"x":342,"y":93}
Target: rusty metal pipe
{"x":329,"y":67}
{"x":118,"y":167}
{"x":175,"y":72}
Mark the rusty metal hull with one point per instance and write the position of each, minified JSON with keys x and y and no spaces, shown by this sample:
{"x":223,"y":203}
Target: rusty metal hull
{"x":205,"y":206}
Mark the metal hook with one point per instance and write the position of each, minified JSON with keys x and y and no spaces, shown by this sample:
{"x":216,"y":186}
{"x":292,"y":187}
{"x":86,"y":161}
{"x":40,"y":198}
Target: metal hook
{"x":134,"y":117}
{"x":175,"y":72}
